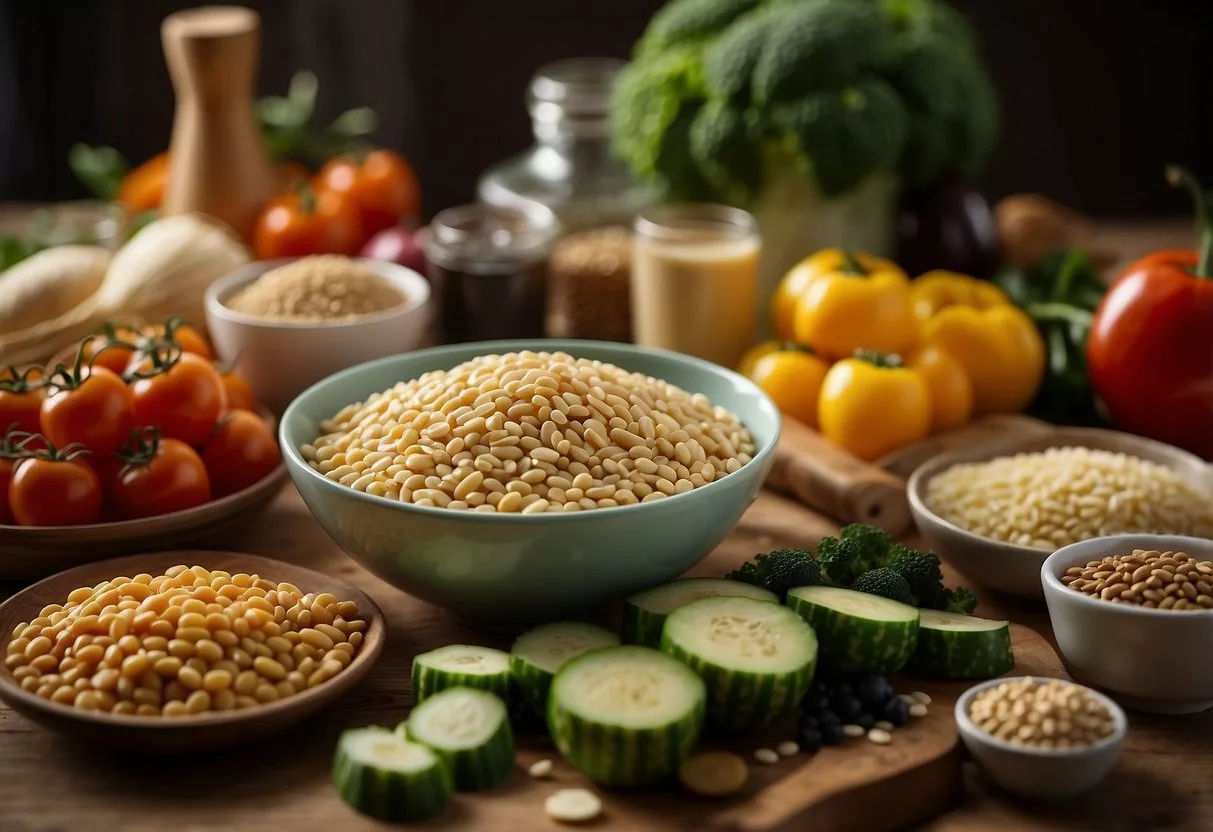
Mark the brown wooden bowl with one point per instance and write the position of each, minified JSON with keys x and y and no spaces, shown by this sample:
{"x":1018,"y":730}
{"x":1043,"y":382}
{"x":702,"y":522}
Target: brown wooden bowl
{"x":210,"y":730}
{"x":29,"y":552}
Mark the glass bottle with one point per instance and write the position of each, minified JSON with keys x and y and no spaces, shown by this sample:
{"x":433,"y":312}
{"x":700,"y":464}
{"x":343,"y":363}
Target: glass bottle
{"x":570,"y":168}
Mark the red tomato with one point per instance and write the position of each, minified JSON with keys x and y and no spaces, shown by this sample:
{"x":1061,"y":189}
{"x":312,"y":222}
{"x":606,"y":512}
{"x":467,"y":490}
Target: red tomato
{"x":6,"y":477}
{"x":21,"y":398}
{"x":303,"y":223}
{"x":240,"y":452}
{"x":174,"y":479}
{"x":239,"y":394}
{"x":383,"y":185}
{"x":54,"y":492}
{"x":183,"y":400}
{"x":184,"y":336}
{"x":97,"y":411}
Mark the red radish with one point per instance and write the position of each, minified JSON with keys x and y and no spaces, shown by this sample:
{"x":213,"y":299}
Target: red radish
{"x":398,"y":244}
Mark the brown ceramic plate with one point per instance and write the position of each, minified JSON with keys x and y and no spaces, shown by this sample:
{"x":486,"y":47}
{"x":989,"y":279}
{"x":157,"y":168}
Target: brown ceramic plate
{"x":29,"y":552}
{"x":178,"y":735}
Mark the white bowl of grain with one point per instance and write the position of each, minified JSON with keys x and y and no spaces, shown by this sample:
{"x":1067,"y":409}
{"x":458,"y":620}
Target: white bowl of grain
{"x":286,"y":324}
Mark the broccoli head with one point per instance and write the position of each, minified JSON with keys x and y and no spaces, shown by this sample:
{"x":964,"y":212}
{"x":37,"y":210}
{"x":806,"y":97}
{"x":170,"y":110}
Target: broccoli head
{"x":921,"y":571}
{"x":779,"y":571}
{"x":840,"y":561}
{"x":960,"y":600}
{"x":873,"y":543}
{"x":688,"y":21}
{"x":885,"y":583}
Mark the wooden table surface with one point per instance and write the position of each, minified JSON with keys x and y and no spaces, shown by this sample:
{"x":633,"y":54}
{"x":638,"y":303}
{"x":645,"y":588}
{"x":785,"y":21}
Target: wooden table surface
{"x":1163,"y":781}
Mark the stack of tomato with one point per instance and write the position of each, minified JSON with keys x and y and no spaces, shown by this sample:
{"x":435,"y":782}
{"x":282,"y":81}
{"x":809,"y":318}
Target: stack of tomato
{"x":132,"y":423}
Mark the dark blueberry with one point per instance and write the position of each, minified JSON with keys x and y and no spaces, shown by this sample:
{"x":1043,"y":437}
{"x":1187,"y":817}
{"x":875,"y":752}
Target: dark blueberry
{"x":874,"y":691}
{"x":840,"y":690}
{"x":864,"y":720}
{"x":848,"y":707}
{"x":809,"y":739}
{"x":896,"y":711}
{"x":814,"y":703}
{"x":828,"y":718}
{"x":818,"y":688}
{"x":808,"y":721}
{"x":831,"y":733}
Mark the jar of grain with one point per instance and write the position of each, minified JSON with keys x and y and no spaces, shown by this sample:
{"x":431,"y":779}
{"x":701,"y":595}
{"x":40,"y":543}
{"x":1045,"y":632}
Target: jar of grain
{"x":590,"y":291}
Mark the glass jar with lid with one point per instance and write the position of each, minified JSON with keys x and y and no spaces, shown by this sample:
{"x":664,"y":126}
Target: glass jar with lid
{"x":570,"y":168}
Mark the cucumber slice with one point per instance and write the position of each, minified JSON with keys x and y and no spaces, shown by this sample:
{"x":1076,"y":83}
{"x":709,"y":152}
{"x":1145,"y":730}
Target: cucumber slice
{"x":539,"y":653}
{"x":955,"y":646}
{"x":383,"y":775}
{"x":756,"y":658}
{"x":645,"y":612}
{"x":470,"y":730}
{"x":461,"y":665}
{"x":858,"y":631}
{"x":624,"y":716}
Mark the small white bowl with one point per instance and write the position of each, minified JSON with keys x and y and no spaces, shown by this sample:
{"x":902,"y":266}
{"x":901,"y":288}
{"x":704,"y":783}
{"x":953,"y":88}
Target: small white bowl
{"x":1152,"y":660}
{"x":281,"y":359}
{"x":1040,"y":773}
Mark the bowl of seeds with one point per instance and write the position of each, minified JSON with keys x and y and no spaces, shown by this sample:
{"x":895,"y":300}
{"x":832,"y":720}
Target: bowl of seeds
{"x":286,"y":324}
{"x":1133,"y":614}
{"x":1045,"y":739}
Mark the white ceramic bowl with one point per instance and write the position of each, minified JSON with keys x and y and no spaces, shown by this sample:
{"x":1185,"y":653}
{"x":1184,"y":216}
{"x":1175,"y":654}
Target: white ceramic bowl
{"x":281,"y":359}
{"x":1151,"y":660}
{"x":1040,"y":773}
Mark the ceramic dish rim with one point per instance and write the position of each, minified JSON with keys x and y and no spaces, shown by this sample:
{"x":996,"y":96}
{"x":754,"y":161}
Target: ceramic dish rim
{"x":916,"y":485}
{"x":296,"y":461}
{"x":364,"y":660}
{"x":415,"y":288}
{"x":1048,"y":578}
{"x":969,"y":729}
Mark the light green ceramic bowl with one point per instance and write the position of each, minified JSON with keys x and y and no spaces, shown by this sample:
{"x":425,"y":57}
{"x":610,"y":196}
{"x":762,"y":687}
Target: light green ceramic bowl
{"x":510,"y":571}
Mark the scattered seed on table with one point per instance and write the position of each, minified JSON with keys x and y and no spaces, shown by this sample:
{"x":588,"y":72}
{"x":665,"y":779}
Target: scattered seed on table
{"x":787,"y":748}
{"x":540,"y":768}
{"x":880,"y":737}
{"x":883,"y":725}
{"x":920,"y":697}
{"x":909,"y":700}
{"x":853,"y":731}
{"x":714,"y":773}
{"x":766,"y":755}
{"x":918,"y":709}
{"x":573,"y":805}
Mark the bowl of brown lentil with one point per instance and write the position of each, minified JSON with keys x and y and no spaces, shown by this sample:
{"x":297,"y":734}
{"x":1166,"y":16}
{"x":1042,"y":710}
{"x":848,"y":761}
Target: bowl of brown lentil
{"x":145,"y":653}
{"x":1045,"y":739}
{"x":996,"y":511}
{"x":286,"y":324}
{"x":512,"y":482}
{"x":1133,"y":615}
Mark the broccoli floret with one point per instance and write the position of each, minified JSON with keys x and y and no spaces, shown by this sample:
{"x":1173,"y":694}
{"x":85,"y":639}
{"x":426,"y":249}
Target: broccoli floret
{"x":683,"y":21}
{"x":921,"y":571}
{"x":720,"y":132}
{"x":873,"y":543}
{"x":885,"y":583}
{"x":779,"y":571}
{"x":729,"y":62}
{"x":960,"y":600}
{"x":839,"y":561}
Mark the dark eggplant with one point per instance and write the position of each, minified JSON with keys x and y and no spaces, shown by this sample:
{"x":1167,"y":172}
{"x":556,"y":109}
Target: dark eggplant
{"x":948,"y":225}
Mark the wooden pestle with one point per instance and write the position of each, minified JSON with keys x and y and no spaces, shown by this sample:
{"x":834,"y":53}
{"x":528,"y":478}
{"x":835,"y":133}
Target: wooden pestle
{"x":219,"y":165}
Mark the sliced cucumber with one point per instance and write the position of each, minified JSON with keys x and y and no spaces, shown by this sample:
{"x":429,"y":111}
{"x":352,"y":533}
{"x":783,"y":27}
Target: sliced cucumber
{"x":624,"y":716}
{"x":461,"y":665}
{"x":470,"y":730}
{"x":955,"y":646}
{"x":645,"y":612}
{"x":858,"y":631}
{"x":539,"y":653}
{"x":383,"y":775}
{"x":756,"y":658}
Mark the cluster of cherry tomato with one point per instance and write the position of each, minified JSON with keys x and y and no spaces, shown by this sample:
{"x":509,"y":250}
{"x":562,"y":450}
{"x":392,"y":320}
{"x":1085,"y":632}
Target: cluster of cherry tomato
{"x":129,"y":423}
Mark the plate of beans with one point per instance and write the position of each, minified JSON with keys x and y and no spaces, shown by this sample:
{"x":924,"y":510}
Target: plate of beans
{"x":183,"y":651}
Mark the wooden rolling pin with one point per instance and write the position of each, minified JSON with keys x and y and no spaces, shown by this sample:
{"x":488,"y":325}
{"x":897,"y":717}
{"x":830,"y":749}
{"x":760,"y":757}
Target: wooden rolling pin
{"x":830,"y":480}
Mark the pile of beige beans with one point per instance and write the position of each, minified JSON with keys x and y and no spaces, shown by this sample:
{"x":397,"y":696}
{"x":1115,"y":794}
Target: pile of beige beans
{"x":1163,"y":580}
{"x":1042,"y":713}
{"x":528,"y":433}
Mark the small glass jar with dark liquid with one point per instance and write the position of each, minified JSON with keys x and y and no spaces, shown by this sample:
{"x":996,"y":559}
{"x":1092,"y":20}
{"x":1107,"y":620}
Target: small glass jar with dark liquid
{"x":489,"y":269}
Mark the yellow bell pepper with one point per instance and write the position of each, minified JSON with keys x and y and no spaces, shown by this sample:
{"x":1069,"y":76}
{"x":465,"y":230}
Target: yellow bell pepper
{"x":747,"y":362}
{"x":849,"y":302}
{"x":998,"y":345}
{"x":794,"y":283}
{"x":871,"y":406}
{"x":792,"y":377}
{"x":949,"y":386}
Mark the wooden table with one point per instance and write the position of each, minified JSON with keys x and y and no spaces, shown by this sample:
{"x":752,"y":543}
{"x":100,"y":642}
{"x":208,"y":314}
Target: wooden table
{"x":1164,"y":779}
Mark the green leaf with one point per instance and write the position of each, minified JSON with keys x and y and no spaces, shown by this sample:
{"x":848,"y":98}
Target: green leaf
{"x":357,"y":122}
{"x":302,"y":92}
{"x":275,"y":111}
{"x":100,"y":169}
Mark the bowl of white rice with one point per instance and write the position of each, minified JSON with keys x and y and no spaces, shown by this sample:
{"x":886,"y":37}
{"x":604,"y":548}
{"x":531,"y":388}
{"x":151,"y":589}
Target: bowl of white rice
{"x":995,"y":512}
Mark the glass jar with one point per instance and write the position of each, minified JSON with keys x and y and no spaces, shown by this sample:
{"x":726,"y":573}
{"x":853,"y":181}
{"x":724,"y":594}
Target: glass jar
{"x":570,"y":168}
{"x":489,"y":269}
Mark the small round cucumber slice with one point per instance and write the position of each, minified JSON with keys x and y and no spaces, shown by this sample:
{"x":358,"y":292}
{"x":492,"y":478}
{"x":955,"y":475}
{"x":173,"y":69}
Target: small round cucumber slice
{"x":539,"y":653}
{"x":645,"y":612}
{"x":625,"y":716}
{"x":383,"y":775}
{"x":470,"y":730}
{"x":756,"y":658}
{"x":858,"y":631}
{"x":956,"y":646}
{"x":461,"y":665}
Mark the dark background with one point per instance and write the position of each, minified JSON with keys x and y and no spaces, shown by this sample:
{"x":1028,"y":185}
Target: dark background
{"x":1097,"y":95}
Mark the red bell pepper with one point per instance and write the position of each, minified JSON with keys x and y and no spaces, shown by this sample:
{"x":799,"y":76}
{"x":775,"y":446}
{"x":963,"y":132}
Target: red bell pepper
{"x":1150,"y":352}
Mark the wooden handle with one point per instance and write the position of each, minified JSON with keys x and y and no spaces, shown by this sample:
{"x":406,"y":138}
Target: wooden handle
{"x":827,"y":478}
{"x":212,"y":52}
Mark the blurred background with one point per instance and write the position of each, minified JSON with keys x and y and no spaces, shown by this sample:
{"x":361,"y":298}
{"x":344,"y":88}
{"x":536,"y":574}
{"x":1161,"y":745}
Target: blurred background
{"x":1096,"y":95}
